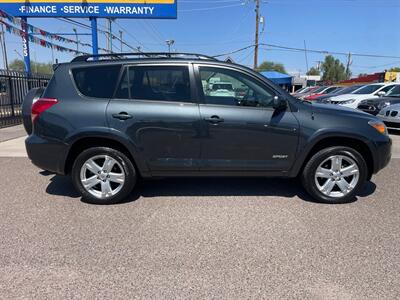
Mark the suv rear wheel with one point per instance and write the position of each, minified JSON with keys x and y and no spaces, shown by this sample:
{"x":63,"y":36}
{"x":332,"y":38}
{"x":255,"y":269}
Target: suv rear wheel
{"x":103,"y":175}
{"x":335,"y":175}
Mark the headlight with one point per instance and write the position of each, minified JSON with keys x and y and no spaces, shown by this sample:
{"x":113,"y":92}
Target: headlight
{"x":379,"y":126}
{"x":347,"y":101}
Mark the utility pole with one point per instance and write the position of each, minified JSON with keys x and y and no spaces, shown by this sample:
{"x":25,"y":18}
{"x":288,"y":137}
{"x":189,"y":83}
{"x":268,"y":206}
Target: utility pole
{"x":120,"y":38}
{"x":257,"y":34}
{"x":169,"y":44}
{"x":77,"y":41}
{"x":3,"y":46}
{"x":349,"y":62}
{"x":305,"y":53}
{"x":110,"y":36}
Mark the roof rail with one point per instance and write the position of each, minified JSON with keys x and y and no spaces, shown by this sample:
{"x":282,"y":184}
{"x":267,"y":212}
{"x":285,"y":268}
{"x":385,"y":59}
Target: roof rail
{"x":153,"y":55}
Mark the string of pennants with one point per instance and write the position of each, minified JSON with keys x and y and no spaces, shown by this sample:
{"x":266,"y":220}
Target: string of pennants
{"x":14,"y":30}
{"x":35,"y":30}
{"x":32,"y":29}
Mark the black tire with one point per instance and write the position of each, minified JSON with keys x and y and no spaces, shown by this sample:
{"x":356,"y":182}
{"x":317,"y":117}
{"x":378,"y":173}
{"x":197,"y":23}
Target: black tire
{"x":127,"y":167}
{"x":308,"y":175}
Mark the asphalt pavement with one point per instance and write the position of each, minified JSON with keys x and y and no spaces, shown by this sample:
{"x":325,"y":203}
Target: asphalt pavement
{"x":196,"y":238}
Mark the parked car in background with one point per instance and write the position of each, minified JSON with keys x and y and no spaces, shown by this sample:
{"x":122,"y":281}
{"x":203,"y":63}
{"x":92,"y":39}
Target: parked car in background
{"x":305,"y":92}
{"x":222,"y":89}
{"x":373,"y":106}
{"x":301,"y":90}
{"x":340,"y":91}
{"x":390,"y":115}
{"x":326,"y":90}
{"x":374,"y":90}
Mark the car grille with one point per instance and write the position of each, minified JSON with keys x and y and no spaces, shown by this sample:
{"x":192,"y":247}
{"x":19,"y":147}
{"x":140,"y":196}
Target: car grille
{"x":366,"y":107}
{"x":392,"y":124}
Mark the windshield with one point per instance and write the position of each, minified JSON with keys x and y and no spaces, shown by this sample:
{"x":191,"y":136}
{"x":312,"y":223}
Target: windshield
{"x":222,"y":86}
{"x":394,"y":92}
{"x":348,"y":90}
{"x":318,"y":90}
{"x":368,"y":89}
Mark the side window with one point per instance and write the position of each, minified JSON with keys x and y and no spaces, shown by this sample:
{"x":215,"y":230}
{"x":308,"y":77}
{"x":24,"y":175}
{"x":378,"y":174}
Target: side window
{"x":329,"y":90}
{"x":387,"y":88}
{"x":227,"y":87}
{"x":165,"y":83}
{"x":97,"y":82}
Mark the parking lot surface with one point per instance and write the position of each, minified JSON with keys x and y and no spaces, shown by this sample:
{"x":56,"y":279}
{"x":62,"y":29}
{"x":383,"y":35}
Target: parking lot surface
{"x":197,"y":238}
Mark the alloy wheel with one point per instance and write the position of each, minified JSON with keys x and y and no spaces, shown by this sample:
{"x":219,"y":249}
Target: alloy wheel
{"x":102,"y":176}
{"x":337,"y":176}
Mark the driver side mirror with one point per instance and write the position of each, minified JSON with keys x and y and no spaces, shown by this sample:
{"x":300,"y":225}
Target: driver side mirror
{"x":278,"y":103}
{"x":381,"y":93}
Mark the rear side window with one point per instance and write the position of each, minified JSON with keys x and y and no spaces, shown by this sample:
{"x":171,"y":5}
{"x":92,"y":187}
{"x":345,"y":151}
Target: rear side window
{"x":163,"y":83}
{"x":96,"y":82}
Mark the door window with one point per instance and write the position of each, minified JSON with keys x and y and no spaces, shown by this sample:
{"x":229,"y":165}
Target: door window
{"x":228,"y":87}
{"x":164,"y":83}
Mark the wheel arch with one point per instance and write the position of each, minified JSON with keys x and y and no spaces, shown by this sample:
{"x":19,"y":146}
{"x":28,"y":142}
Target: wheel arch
{"x":344,"y":141}
{"x":84,"y":143}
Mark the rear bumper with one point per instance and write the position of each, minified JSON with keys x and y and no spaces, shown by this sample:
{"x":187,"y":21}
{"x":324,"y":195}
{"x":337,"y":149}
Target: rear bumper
{"x":49,"y":155}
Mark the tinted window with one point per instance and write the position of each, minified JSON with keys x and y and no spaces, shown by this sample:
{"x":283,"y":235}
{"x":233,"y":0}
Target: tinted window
{"x":368,"y":89}
{"x":169,"y":83}
{"x":387,"y":88}
{"x":394,"y":91}
{"x":349,"y":90}
{"x":330,"y":90}
{"x":97,"y":82}
{"x":227,"y":87}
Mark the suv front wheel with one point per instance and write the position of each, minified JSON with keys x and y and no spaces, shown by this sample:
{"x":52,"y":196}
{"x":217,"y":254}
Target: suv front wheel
{"x":103,"y":175}
{"x":335,"y":175}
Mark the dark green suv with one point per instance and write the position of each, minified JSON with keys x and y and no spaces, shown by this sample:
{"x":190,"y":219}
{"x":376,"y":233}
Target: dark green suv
{"x":110,"y":119}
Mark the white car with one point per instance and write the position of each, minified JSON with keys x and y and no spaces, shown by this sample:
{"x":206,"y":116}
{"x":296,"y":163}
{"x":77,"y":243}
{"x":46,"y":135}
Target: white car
{"x":369,"y":91}
{"x":222,"y":89}
{"x":390,"y":115}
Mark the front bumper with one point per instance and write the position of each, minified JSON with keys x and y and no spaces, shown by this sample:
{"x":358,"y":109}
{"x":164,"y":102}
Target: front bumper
{"x":47,"y":154}
{"x":382,"y":153}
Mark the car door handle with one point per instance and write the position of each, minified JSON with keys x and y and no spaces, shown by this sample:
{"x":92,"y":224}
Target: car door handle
{"x":214,"y":119}
{"x":122,"y":116}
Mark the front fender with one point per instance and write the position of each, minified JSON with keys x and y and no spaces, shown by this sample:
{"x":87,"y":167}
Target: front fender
{"x":307,"y":144}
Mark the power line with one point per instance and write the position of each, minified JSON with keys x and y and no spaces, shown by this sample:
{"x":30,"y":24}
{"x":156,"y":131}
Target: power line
{"x":211,"y":8}
{"x":132,"y":36}
{"x":325,"y":52}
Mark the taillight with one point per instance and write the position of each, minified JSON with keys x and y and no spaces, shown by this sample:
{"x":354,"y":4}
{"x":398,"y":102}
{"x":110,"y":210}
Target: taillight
{"x":40,"y":106}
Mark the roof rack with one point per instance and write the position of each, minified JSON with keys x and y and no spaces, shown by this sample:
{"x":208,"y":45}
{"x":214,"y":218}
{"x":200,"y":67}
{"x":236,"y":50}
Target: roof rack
{"x":152,"y":55}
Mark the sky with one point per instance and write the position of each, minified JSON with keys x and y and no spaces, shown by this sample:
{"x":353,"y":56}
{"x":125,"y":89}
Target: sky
{"x":215,"y":27}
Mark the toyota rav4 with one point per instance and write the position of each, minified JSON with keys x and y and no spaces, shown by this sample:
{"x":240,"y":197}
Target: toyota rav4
{"x":108,"y":120}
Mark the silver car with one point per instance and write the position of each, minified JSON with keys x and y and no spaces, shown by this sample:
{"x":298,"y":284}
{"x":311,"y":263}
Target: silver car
{"x":390,"y":115}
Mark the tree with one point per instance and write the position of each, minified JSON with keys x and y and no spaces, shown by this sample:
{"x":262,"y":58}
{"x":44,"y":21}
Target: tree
{"x":271,"y":66}
{"x":333,"y":70}
{"x":313,"y":71}
{"x":36,"y":67}
{"x":395,"y":69}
